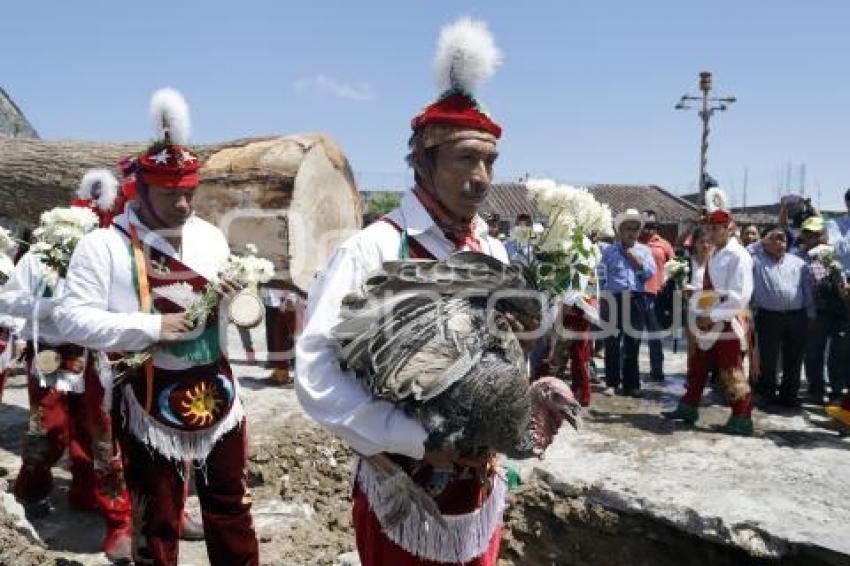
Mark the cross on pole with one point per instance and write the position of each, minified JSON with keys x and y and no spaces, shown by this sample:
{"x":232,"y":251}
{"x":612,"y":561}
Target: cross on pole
{"x":710,"y":104}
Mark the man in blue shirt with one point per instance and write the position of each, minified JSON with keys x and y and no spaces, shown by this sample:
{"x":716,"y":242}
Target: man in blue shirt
{"x":781,"y":297}
{"x":627,"y":265}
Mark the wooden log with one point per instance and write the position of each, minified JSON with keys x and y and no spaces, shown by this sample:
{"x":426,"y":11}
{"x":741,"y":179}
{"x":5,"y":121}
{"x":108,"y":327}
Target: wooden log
{"x":248,"y":187}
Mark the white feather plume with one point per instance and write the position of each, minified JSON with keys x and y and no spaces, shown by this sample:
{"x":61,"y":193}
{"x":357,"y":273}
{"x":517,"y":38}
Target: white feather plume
{"x":108,"y":187}
{"x":715,"y":199}
{"x":466,"y":55}
{"x":169,"y":112}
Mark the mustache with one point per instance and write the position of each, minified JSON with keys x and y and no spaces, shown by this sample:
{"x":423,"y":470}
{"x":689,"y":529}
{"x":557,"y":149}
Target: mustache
{"x":474,"y":189}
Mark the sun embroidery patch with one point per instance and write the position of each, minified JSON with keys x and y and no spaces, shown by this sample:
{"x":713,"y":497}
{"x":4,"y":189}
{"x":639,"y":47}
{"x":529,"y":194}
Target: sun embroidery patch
{"x":201,"y":405}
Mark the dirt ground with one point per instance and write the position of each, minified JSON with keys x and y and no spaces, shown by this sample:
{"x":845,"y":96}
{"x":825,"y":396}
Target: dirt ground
{"x":300,"y":479}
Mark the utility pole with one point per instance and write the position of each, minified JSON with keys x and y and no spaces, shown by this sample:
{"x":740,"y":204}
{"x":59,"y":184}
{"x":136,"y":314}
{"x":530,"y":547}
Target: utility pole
{"x":709,"y":106}
{"x":746,"y":179}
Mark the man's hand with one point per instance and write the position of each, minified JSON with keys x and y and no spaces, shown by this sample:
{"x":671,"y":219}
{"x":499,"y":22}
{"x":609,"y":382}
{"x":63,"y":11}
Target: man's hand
{"x":174,"y":327}
{"x":524,"y":325}
{"x":633,"y":259}
{"x":229,"y":288}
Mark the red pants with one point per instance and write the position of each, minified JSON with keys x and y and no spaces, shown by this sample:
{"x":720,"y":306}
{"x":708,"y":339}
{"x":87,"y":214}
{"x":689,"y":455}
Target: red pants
{"x":575,"y":350}
{"x":110,"y":489}
{"x":375,"y":549}
{"x":580,"y":354}
{"x":462,"y":495}
{"x":76,"y":422}
{"x":157,"y":487}
{"x":57,"y":421}
{"x":727,"y":357}
{"x":282,"y":327}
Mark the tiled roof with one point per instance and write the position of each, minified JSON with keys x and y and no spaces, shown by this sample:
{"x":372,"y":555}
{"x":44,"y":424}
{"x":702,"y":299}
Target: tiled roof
{"x":508,"y":200}
{"x":667,"y":206}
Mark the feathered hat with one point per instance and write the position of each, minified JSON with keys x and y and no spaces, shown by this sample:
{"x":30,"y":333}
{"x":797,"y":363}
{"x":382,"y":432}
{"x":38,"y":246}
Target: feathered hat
{"x":716,"y":207}
{"x":102,"y":181}
{"x":466,"y":57}
{"x":167,"y":162}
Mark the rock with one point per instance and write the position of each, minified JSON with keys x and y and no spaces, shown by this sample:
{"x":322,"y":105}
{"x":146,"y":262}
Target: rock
{"x":776,"y":495}
{"x":16,"y":512}
{"x":274,"y":516}
{"x":348,"y":559}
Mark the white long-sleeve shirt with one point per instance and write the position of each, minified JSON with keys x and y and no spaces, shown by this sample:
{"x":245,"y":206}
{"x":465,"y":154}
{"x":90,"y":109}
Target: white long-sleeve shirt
{"x":100,"y":307}
{"x":22,"y":297}
{"x":333,"y":397}
{"x":731,"y":272}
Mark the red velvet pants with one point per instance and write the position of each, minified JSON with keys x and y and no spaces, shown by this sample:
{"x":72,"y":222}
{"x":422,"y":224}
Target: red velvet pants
{"x":462,"y":495}
{"x":727,"y":357}
{"x":375,"y":549}
{"x":77,"y":422}
{"x":282,"y":327}
{"x":577,"y":349}
{"x":158,"y":488}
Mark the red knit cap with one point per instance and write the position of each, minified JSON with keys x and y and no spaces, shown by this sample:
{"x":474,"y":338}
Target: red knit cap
{"x":717,"y":217}
{"x":169,"y":166}
{"x":168,"y":162}
{"x":466,"y":57}
{"x":458,"y":110}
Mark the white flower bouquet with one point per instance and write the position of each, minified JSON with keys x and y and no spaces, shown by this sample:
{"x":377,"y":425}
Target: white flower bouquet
{"x":825,"y":255}
{"x":677,"y":269}
{"x":246,"y":271}
{"x":564,"y":256}
{"x":59,"y":231}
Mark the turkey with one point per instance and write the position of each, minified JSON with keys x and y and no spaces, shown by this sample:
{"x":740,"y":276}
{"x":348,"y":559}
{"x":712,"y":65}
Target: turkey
{"x":435,"y":338}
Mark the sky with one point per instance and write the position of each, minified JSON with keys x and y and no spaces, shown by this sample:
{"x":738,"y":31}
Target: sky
{"x":585,"y":94}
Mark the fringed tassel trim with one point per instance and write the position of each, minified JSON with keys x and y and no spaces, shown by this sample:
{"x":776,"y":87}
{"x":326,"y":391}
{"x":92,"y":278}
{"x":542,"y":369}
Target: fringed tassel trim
{"x":463,"y":538}
{"x":176,"y":445}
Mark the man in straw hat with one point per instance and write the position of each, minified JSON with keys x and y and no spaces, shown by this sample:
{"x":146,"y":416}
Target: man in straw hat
{"x":628,"y":265}
{"x":718,"y":315}
{"x":452,"y":152}
{"x":128,"y":289}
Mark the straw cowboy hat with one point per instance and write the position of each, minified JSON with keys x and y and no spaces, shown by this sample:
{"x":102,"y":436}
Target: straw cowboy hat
{"x":630,"y":215}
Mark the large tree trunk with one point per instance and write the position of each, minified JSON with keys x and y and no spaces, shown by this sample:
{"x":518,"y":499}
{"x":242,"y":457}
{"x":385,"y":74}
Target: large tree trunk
{"x":294,"y":196}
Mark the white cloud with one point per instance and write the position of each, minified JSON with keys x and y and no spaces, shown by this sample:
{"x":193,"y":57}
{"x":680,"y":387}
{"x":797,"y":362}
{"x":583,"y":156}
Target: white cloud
{"x":358,"y":92}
